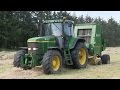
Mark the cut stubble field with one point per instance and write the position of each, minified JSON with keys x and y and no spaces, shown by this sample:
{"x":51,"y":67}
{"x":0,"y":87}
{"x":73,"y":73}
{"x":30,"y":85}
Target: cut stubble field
{"x":107,"y":71}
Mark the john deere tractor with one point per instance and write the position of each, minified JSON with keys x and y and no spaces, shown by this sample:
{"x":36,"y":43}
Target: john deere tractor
{"x":55,"y":48}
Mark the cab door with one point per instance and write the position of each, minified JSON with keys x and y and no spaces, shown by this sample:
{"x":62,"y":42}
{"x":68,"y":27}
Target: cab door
{"x":68,"y":32}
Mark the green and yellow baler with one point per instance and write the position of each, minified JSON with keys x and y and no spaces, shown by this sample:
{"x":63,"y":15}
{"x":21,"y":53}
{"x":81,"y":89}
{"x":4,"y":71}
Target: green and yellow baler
{"x":95,"y":43}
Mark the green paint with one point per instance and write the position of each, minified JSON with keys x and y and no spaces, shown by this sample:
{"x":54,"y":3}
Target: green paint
{"x":95,"y":45}
{"x":34,"y":57}
{"x":42,"y":39}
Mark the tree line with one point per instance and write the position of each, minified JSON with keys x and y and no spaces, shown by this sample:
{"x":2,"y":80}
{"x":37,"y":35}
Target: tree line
{"x":17,"y":26}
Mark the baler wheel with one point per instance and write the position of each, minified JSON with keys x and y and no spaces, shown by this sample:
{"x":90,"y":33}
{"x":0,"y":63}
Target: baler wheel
{"x":105,"y":59}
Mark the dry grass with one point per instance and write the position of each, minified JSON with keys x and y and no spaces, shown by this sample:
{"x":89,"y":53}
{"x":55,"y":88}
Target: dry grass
{"x":109,"y":71}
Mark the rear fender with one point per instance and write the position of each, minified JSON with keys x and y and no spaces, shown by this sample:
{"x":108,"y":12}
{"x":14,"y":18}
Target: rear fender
{"x":76,"y":40}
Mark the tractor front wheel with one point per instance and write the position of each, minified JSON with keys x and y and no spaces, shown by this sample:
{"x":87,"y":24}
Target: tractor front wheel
{"x":52,"y":62}
{"x":17,"y":57}
{"x":80,"y":56}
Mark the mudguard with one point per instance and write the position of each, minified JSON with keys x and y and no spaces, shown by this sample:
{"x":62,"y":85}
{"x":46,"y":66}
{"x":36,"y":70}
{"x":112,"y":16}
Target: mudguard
{"x":74,"y":41}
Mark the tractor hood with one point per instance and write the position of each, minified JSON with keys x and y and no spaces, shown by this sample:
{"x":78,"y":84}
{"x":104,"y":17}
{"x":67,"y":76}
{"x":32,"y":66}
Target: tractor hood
{"x":42,"y":39}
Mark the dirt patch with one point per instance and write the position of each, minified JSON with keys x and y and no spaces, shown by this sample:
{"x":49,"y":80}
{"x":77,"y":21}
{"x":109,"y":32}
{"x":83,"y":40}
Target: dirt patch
{"x":18,"y":73}
{"x":5,"y":55}
{"x":112,"y":50}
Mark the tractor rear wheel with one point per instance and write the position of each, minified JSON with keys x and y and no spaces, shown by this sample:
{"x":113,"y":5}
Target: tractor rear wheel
{"x":105,"y":59}
{"x":52,"y":62}
{"x":80,"y":56}
{"x":17,"y":57}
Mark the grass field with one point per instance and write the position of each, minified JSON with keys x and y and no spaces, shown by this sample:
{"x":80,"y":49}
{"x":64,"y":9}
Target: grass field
{"x":109,"y":71}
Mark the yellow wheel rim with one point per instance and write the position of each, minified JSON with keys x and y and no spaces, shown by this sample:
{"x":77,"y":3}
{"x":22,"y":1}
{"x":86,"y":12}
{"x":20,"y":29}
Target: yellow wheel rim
{"x":55,"y":63}
{"x":82,"y":56}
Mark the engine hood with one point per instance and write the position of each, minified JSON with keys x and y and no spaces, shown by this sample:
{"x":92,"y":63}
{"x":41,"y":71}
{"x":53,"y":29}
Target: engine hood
{"x":42,"y":39}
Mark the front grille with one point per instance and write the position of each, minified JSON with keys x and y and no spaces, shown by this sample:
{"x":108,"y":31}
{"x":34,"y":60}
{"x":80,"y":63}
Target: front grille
{"x":32,"y":45}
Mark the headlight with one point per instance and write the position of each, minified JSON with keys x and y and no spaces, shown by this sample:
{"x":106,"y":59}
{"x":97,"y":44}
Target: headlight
{"x":35,"y":48}
{"x":29,"y":48}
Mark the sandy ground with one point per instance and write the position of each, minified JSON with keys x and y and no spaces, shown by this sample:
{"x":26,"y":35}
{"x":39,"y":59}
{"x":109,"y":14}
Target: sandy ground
{"x":109,"y":71}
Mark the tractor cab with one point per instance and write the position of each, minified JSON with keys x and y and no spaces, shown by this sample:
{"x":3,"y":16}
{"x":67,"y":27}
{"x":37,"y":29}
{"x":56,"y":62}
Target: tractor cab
{"x":57,"y":27}
{"x":61,"y":29}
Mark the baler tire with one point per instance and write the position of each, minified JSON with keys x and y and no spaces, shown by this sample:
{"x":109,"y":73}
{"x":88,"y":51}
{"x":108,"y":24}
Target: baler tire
{"x":47,"y":62}
{"x":105,"y":59}
{"x":76,"y":59}
{"x":17,"y":57}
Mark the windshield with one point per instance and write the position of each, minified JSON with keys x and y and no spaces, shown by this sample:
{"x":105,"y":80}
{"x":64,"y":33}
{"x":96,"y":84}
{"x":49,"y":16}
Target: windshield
{"x":68,"y":30}
{"x":52,"y":29}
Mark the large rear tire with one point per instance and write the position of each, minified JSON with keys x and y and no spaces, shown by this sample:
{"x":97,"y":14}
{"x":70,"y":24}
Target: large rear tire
{"x":52,"y":62}
{"x":17,"y":57}
{"x":80,"y":56}
{"x":105,"y":59}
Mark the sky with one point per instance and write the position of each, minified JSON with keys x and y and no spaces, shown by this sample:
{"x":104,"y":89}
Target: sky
{"x":103,"y":14}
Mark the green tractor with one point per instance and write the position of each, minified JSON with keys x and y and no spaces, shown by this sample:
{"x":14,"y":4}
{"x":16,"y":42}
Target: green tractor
{"x":56,"y":47}
{"x":95,"y":43}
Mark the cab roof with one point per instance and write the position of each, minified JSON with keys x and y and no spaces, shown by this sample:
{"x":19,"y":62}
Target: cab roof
{"x":57,"y":21}
{"x":86,"y":24}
